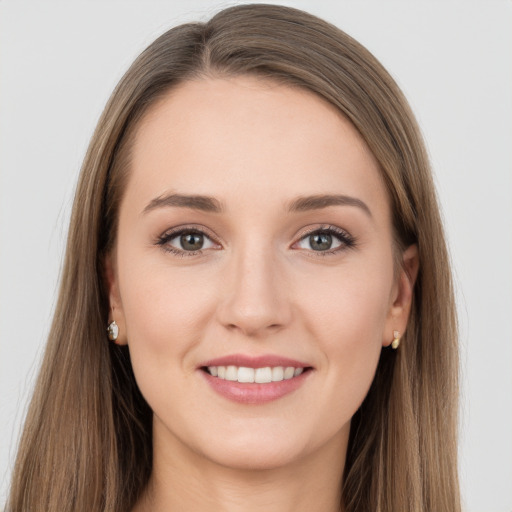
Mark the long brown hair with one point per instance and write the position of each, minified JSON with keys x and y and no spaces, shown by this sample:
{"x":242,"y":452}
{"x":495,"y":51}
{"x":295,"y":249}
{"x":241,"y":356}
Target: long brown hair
{"x":87,"y":442}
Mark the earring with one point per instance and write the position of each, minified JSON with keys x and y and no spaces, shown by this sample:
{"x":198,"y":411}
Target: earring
{"x":113,"y":331}
{"x":396,"y":340}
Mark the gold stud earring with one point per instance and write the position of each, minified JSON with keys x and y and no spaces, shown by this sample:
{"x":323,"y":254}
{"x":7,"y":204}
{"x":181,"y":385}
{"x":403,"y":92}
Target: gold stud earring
{"x":113,"y":331}
{"x":396,"y":340}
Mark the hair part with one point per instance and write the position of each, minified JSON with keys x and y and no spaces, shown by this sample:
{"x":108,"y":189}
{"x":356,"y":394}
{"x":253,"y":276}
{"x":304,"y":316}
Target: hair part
{"x":87,"y":443}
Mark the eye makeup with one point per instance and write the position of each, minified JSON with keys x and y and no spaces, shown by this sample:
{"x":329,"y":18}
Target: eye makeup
{"x":323,"y":241}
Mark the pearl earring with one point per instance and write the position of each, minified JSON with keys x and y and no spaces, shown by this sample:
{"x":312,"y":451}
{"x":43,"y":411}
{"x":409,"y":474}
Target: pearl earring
{"x":113,"y":331}
{"x":396,"y":340}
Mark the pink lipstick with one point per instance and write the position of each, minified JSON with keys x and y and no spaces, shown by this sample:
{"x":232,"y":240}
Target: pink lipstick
{"x":254,"y":380}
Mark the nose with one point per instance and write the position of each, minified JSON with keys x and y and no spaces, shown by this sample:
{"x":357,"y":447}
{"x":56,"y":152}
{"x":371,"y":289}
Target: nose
{"x":254,"y":295}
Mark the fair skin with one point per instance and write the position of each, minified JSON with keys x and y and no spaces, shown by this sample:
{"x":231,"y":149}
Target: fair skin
{"x":256,"y":278}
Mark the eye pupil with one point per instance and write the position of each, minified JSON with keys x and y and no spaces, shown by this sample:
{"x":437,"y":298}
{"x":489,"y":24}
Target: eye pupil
{"x":320,"y":241}
{"x":192,"y":241}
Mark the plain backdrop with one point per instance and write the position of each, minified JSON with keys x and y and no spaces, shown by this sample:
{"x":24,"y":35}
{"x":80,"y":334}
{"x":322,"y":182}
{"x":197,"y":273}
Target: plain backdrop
{"x":59,"y":62}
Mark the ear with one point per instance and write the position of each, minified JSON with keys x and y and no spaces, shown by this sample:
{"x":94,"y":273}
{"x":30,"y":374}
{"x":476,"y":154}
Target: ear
{"x":402,"y":294}
{"x":116,"y":311}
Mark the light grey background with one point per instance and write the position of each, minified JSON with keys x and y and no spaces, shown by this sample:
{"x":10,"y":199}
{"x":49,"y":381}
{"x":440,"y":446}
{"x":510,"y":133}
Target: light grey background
{"x":59,"y":62}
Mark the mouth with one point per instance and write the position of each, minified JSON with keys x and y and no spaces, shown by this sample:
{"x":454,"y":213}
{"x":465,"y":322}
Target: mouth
{"x":255,"y":380}
{"x":262,"y":375}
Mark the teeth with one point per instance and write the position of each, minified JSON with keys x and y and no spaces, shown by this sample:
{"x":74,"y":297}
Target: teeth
{"x":288,"y":372}
{"x":263,"y":375}
{"x":258,"y":375}
{"x":245,"y":374}
{"x":231,"y":373}
{"x":277,"y":373}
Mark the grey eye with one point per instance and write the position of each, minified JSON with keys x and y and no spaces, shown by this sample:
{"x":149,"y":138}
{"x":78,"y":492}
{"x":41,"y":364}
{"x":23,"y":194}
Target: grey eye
{"x":189,"y":241}
{"x":319,"y":241}
{"x":192,"y":241}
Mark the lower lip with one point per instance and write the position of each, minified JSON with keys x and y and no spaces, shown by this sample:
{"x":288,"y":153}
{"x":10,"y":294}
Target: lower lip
{"x":253,"y":393}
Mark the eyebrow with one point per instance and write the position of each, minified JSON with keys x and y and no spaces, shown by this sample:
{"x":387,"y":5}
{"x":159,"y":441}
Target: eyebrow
{"x":318,"y":202}
{"x":203,"y":203}
{"x":212,"y":205}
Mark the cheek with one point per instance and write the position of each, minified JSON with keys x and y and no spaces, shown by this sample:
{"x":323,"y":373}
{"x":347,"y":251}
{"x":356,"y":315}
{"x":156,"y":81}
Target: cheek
{"x":166,"y":314}
{"x":350,"y":304}
{"x":346,"y":312}
{"x":166,"y":310}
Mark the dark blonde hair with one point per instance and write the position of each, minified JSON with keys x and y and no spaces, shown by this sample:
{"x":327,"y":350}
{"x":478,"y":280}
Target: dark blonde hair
{"x":87,"y":441}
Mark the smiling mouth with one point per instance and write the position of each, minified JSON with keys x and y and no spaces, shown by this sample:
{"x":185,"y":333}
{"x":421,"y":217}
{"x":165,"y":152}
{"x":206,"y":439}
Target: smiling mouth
{"x":262,"y":375}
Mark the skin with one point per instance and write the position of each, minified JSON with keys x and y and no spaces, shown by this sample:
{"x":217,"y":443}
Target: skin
{"x":257,"y":287}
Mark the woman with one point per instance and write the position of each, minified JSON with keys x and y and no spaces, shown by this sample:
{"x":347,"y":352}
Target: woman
{"x":256,"y":226}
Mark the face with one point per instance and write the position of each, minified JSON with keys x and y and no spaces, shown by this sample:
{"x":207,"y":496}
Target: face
{"x":254,"y":236}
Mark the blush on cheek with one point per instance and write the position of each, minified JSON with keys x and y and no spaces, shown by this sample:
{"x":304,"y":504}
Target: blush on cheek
{"x":348,"y":324}
{"x":163,"y":318}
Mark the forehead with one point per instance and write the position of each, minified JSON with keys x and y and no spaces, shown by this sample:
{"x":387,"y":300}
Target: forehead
{"x":215,"y":136}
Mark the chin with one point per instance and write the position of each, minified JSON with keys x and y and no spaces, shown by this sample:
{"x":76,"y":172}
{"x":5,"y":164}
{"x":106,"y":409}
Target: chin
{"x":255,"y":457}
{"x":272,"y":446}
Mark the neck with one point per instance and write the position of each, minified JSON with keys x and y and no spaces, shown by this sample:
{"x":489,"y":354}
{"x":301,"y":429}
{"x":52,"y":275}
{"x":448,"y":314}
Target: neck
{"x":184,"y":480}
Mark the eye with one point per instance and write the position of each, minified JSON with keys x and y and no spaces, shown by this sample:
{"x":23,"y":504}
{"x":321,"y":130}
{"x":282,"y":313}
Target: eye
{"x":186,"y":242}
{"x":326,"y":240}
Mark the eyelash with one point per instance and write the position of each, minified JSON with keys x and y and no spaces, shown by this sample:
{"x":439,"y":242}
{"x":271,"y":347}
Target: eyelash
{"x":165,"y":238}
{"x":347,"y":240}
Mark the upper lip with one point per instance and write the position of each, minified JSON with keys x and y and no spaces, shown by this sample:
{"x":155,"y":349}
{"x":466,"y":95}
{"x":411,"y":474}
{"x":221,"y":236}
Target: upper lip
{"x":262,"y":361}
